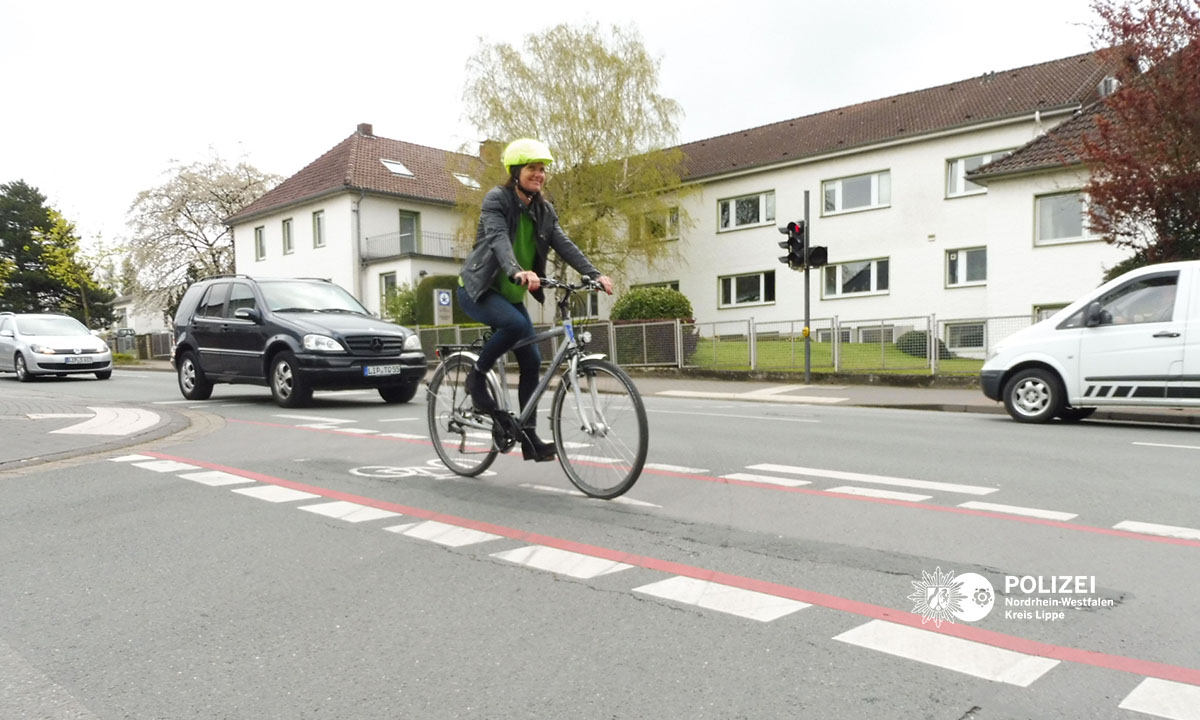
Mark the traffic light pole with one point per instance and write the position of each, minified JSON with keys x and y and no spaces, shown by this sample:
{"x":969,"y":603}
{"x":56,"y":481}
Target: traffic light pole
{"x":807,"y":341}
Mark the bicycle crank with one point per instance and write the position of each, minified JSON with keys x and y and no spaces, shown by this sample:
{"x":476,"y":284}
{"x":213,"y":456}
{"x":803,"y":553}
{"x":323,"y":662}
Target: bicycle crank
{"x":505,"y":431}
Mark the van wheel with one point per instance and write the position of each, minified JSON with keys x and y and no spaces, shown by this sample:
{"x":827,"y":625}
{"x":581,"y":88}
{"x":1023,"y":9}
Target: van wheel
{"x":192,"y":383}
{"x":287,"y":385}
{"x":1074,"y":414}
{"x":1034,"y":395}
{"x":399,"y":393}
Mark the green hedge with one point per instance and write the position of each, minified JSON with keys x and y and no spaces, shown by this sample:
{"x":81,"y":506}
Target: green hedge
{"x":424,"y":300}
{"x":653,"y":303}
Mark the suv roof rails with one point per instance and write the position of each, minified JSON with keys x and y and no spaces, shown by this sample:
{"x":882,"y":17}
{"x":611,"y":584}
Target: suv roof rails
{"x":224,"y":275}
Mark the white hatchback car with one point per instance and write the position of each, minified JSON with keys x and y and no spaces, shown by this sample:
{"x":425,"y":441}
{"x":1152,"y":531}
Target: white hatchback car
{"x":33,"y":344}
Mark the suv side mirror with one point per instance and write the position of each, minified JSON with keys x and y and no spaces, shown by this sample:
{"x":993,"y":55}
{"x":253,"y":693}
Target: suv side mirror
{"x":1094,"y":315}
{"x":6,"y":333}
{"x":246,"y":313}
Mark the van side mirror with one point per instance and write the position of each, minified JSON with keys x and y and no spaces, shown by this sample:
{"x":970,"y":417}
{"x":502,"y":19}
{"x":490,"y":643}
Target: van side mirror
{"x":246,"y":313}
{"x":6,"y":333}
{"x":1094,"y":314}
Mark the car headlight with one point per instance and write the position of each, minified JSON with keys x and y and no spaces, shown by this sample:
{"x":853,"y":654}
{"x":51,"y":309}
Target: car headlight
{"x":321,"y":343}
{"x":412,"y":342}
{"x":41,"y":349}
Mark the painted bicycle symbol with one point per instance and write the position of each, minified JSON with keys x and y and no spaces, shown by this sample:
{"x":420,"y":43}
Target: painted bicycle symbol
{"x":433,"y":468}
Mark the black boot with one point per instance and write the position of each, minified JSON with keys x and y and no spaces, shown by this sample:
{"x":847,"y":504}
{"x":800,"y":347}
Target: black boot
{"x":477,"y":388}
{"x":532,"y":447}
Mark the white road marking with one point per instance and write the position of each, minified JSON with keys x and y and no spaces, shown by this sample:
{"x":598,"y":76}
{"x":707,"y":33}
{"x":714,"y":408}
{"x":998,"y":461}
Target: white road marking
{"x":319,"y":426}
{"x":750,"y":477}
{"x":1017,"y":510}
{"x":216,"y":478}
{"x":275,"y":493}
{"x":945,"y":651}
{"x":404,"y":436}
{"x":729,"y":416}
{"x":356,"y":431}
{"x":674,"y":468}
{"x":314,"y":418}
{"x":722,"y":598}
{"x":112,"y":421}
{"x":1163,"y":698}
{"x":563,"y":562}
{"x":877,"y":493}
{"x":165,"y":466}
{"x":1165,"y":445}
{"x":1164,"y":530}
{"x":172,"y":402}
{"x":131,"y":458}
{"x":348,"y":511}
{"x":596,"y":459}
{"x":52,"y":416}
{"x":754,"y":395}
{"x":621,"y":500}
{"x":442,"y":533}
{"x":877,"y":479}
{"x":396,"y":419}
{"x":568,"y":444}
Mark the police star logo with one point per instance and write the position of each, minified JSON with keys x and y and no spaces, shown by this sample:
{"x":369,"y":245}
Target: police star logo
{"x":938,"y":596}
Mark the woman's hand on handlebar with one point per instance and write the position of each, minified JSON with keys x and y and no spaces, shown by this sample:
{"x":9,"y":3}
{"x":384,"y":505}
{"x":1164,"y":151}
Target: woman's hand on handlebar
{"x":529,"y":279}
{"x":605,"y":282}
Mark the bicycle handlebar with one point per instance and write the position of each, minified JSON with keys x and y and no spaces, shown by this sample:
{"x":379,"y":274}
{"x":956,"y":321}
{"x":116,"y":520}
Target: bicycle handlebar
{"x":585,"y":284}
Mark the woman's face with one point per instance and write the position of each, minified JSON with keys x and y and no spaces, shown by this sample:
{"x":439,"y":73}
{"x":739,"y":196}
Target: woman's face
{"x":533,"y":176}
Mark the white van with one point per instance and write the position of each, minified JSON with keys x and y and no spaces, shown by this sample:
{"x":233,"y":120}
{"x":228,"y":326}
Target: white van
{"x":1134,"y":341}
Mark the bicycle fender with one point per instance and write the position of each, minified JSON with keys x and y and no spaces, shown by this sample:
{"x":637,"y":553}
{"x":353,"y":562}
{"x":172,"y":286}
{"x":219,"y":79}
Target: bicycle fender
{"x":592,"y":356}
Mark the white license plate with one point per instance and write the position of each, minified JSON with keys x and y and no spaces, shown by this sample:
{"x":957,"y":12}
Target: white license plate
{"x":77,"y":360}
{"x":377,"y":370}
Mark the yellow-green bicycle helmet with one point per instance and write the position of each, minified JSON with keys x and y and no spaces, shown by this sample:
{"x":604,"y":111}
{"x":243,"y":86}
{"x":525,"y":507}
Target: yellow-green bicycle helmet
{"x":525,"y":151}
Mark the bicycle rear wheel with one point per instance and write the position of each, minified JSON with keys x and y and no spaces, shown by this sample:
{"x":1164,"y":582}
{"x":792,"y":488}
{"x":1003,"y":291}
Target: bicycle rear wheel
{"x":461,"y":437}
{"x":600,"y":432}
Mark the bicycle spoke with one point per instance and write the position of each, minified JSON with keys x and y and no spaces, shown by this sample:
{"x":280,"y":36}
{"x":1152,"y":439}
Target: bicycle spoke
{"x":453,"y":422}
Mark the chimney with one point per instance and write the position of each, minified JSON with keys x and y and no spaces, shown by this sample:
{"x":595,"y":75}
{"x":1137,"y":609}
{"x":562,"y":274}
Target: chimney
{"x":364,"y":129}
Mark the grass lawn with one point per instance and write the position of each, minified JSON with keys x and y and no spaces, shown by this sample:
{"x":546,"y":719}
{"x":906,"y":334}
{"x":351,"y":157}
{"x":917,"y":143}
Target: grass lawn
{"x":789,"y":355}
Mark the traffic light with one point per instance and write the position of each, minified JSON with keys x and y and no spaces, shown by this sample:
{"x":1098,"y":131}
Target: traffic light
{"x":794,"y":245}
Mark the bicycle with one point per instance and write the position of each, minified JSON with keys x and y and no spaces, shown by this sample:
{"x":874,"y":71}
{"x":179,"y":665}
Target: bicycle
{"x":597,"y":416}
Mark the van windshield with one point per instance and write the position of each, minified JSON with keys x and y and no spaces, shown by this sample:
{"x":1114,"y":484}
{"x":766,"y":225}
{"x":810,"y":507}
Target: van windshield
{"x":300,"y":296}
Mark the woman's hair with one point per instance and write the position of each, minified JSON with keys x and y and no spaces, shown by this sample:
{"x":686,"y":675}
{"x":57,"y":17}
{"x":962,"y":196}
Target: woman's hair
{"x":514,"y":174}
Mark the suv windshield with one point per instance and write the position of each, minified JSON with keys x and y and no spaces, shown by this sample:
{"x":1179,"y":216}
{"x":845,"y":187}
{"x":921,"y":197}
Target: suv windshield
{"x":308,"y":296}
{"x":50,"y":326}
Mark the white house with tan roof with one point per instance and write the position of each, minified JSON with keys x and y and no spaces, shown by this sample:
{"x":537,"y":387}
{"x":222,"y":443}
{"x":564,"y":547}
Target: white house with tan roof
{"x":908,"y":232}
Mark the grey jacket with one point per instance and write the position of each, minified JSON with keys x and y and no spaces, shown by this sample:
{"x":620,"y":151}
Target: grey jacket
{"x":493,"y":251}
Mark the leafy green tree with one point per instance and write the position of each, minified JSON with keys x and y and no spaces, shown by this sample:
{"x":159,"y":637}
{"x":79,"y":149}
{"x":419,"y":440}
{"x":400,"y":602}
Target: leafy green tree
{"x":400,"y":305}
{"x":43,"y":267}
{"x":593,"y":97}
{"x":180,"y":224}
{"x":1143,"y":155}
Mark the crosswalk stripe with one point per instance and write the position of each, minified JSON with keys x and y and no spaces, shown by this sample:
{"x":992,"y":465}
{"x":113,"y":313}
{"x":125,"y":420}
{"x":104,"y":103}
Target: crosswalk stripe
{"x":952,"y":653}
{"x":443,"y":533}
{"x":275,"y":493}
{"x":674,"y":468}
{"x":771,"y":479}
{"x":1153,"y":529}
{"x":215,"y":478}
{"x":348,"y":511}
{"x":165,"y":466}
{"x":131,"y":458}
{"x":1163,"y":698}
{"x":877,"y":493}
{"x":722,"y":598}
{"x":563,"y":562}
{"x":1017,"y":510}
{"x":877,"y":479}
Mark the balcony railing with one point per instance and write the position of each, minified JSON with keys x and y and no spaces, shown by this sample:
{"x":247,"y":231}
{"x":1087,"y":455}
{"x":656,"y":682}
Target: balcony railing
{"x":396,"y":244}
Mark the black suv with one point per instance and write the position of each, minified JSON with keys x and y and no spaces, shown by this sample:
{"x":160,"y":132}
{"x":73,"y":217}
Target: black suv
{"x":293,"y":335}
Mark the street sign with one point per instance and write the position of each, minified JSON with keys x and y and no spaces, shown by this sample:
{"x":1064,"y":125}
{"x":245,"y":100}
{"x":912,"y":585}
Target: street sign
{"x":443,"y":307}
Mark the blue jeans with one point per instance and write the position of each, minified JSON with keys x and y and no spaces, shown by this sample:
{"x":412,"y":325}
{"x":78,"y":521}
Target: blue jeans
{"x":510,"y":324}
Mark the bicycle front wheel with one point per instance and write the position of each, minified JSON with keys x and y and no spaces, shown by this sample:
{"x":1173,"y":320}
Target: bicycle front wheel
{"x":461,"y":437}
{"x":600,"y":429}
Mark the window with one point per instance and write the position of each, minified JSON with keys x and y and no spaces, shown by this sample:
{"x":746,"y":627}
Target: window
{"x":746,"y":211}
{"x":288,"y":244}
{"x":387,"y":283}
{"x":662,"y":226}
{"x":672,"y":284}
{"x":121,"y":317}
{"x":957,"y":183}
{"x":753,"y":289}
{"x":240,"y":296}
{"x":408,"y":232}
{"x":213,"y":303}
{"x":319,"y":229}
{"x":877,"y":334}
{"x":856,"y":278}
{"x":260,"y":244}
{"x":467,"y":180}
{"x":1149,"y":299}
{"x":397,"y":168}
{"x":966,"y":267}
{"x":1041,"y":312}
{"x":1060,"y":218}
{"x":861,"y":192}
{"x":826,"y":335}
{"x":965,"y":336}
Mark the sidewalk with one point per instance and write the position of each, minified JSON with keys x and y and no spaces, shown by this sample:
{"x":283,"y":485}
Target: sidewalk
{"x":872,"y":391}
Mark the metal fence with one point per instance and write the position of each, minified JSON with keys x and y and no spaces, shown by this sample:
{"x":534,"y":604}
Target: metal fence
{"x":915,"y":344}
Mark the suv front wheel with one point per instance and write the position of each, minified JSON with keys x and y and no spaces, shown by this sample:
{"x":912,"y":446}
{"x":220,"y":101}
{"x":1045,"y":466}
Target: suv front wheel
{"x":287,"y":385}
{"x":399,"y":393}
{"x":192,"y":382}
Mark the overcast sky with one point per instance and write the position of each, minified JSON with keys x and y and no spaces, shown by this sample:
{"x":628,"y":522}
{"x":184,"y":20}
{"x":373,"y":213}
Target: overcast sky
{"x":100,"y":97}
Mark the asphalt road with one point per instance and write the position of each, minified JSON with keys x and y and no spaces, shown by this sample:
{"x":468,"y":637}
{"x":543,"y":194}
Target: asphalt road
{"x":230,"y":559}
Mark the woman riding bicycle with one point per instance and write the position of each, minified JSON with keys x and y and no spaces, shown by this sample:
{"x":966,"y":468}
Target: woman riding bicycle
{"x":517,"y":229}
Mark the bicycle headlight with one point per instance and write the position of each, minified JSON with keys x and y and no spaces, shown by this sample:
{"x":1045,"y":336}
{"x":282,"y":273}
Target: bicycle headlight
{"x":412,"y":342}
{"x":585,"y":337}
{"x":321,"y":343}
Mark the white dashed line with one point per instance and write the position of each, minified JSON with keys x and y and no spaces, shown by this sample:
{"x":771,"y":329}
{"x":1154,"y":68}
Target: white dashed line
{"x":945,"y":651}
{"x":1165,"y":445}
{"x":350,"y":512}
{"x":275,"y":493}
{"x":215,"y":478}
{"x":1016,"y":510}
{"x":1163,"y":698}
{"x":131,"y":458}
{"x":596,"y":459}
{"x":1163,"y":530}
{"x":562,"y":562}
{"x":314,"y":418}
{"x":404,"y":436}
{"x":877,"y":493}
{"x":442,"y":533}
{"x":622,"y":500}
{"x":722,"y":598}
{"x":877,"y":479}
{"x":675,"y":468}
{"x":771,"y":479}
{"x":165,"y":466}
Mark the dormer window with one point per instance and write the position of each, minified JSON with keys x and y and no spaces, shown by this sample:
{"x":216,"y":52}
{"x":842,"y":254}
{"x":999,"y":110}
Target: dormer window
{"x":1108,"y":86}
{"x":397,"y":167}
{"x":467,"y":180}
